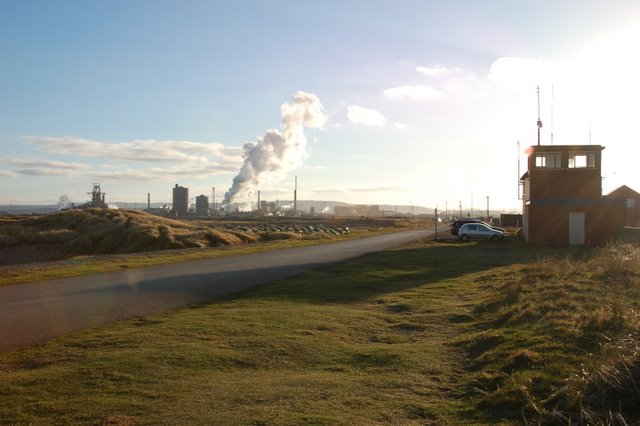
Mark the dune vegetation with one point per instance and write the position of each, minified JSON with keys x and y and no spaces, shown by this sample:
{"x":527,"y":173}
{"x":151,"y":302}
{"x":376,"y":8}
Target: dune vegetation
{"x":427,"y":333}
{"x":90,"y":232}
{"x":91,"y":241}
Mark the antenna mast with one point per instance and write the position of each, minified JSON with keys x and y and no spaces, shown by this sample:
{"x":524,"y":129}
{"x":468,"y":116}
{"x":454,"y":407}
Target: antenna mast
{"x":552,"y":114}
{"x":520,"y":184}
{"x":539,"y":122}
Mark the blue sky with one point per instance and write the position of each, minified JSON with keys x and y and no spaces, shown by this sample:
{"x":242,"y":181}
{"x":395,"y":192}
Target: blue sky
{"x":424,"y":101}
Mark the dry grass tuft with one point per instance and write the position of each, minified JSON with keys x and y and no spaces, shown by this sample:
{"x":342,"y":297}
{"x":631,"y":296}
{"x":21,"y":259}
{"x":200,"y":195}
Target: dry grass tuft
{"x":566,"y":345}
{"x":90,"y":232}
{"x":74,"y":233}
{"x":607,"y":391}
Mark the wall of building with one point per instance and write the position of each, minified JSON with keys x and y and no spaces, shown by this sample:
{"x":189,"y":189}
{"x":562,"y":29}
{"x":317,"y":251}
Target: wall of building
{"x":513,"y":220}
{"x":563,"y":183}
{"x":202,"y":206}
{"x":549,"y":223}
{"x":180,"y":200}
{"x":632,"y":201}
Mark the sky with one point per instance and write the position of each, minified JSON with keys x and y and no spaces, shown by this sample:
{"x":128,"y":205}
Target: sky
{"x":424,"y":102}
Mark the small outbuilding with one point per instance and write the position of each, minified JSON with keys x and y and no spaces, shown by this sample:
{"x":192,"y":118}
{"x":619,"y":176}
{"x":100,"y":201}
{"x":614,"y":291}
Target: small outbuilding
{"x":632,"y":202}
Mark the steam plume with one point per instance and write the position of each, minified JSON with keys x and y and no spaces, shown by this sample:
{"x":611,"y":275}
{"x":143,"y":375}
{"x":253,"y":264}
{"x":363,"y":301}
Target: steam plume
{"x":271,"y":157}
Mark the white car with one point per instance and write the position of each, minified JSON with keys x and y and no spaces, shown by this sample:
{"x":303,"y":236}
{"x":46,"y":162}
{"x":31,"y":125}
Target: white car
{"x":476,"y":231}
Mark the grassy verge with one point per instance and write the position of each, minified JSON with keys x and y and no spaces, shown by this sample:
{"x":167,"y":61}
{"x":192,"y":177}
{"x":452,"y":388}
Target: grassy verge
{"x":558,"y":342}
{"x":429,"y":333}
{"x":84,"y":265}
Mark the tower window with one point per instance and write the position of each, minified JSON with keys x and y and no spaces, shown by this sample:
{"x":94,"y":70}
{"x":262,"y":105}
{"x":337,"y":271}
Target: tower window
{"x":583,"y":160}
{"x":548,"y":160}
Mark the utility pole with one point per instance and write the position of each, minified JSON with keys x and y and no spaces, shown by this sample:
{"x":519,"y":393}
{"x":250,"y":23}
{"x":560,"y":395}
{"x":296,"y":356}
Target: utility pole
{"x":460,"y":205}
{"x":295,"y":198}
{"x":213,"y":198}
{"x":436,"y":212}
{"x":487,"y":207}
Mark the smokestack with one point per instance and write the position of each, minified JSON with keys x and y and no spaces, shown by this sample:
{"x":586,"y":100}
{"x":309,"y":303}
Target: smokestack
{"x":258,"y":209}
{"x":270,"y":158}
{"x":148,"y":201}
{"x":295,"y":198}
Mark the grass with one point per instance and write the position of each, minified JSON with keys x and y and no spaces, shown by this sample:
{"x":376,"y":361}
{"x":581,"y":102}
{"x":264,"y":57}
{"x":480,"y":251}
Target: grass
{"x":79,"y":242}
{"x":558,"y":341}
{"x":428,"y":333}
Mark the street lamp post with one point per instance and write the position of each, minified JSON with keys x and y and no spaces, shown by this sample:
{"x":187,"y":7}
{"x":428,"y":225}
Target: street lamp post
{"x":487,"y":207}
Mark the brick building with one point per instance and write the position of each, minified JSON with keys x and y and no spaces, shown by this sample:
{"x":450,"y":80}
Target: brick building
{"x":562,"y":199}
{"x":632,"y":202}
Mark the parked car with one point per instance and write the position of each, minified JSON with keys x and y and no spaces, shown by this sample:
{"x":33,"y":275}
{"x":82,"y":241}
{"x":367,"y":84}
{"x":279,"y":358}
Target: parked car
{"x":455,"y":226}
{"x":476,"y":231}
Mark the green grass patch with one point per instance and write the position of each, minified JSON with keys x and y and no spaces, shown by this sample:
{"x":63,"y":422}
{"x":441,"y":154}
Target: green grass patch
{"x":428,"y":333}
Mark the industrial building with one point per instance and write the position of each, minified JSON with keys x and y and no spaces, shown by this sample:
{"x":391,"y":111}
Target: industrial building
{"x":180,"y":201}
{"x":202,"y":206}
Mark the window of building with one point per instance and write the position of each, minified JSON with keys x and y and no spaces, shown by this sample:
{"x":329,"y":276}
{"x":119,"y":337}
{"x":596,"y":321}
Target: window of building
{"x":631,"y":203}
{"x":548,"y":160}
{"x":582,"y":160}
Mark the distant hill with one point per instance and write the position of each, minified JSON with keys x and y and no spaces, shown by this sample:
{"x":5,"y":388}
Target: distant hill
{"x":27,"y":208}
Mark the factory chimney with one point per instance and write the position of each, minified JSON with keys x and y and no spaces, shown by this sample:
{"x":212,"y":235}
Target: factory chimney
{"x":148,"y":201}
{"x":295,"y":198}
{"x":258,"y":209}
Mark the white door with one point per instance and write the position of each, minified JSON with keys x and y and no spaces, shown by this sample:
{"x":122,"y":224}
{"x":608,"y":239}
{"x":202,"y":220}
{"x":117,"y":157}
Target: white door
{"x":576,"y":228}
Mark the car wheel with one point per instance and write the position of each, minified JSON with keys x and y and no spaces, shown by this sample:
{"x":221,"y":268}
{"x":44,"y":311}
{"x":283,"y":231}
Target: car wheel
{"x":464,"y":237}
{"x":494,"y":237}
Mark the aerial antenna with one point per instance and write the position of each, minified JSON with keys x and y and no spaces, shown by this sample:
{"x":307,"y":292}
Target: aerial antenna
{"x":520,"y":183}
{"x":589,"y":130}
{"x":539,"y":122}
{"x":551,"y":114}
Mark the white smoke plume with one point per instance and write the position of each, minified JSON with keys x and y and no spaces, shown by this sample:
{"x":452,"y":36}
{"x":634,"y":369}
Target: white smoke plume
{"x":271,"y":157}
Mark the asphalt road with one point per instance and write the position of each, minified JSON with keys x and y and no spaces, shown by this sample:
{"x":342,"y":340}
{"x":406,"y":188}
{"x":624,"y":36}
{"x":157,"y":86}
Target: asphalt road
{"x":36,"y":312}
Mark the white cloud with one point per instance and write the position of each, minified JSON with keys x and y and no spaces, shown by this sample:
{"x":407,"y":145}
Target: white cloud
{"x":400,"y":125}
{"x":42,"y":164}
{"x":419,"y":92}
{"x":160,"y":173}
{"x":179,"y":159}
{"x":518,"y":72}
{"x":366,"y":116}
{"x":437,"y":71}
{"x":7,"y":174}
{"x":43,"y":168}
{"x":150,"y":151}
{"x":47,"y":172}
